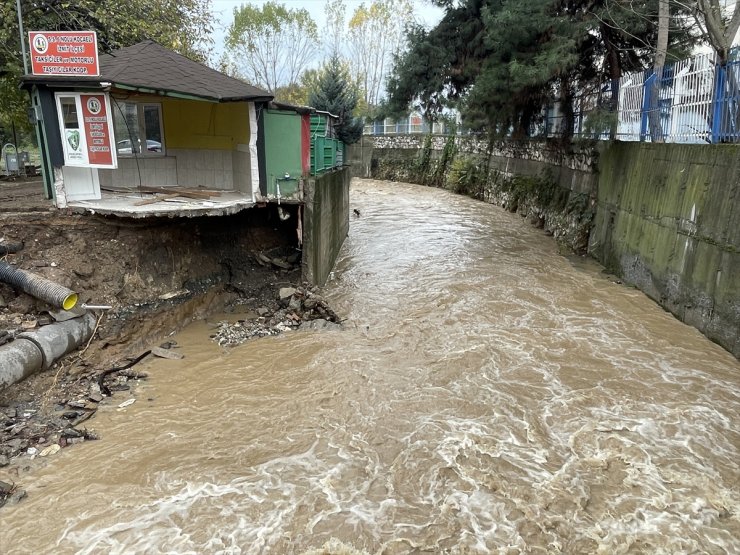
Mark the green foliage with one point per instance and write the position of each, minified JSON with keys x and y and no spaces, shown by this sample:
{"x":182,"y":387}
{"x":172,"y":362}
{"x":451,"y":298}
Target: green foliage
{"x":502,"y":61}
{"x":425,"y":157}
{"x":467,"y":177}
{"x":600,"y":121}
{"x":294,"y":94}
{"x":184,"y":26}
{"x":439,"y":65}
{"x":541,"y":191}
{"x":445,"y":159}
{"x":333,"y":92}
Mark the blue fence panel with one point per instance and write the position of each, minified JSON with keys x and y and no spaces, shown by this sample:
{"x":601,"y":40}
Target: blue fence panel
{"x":726,"y":113}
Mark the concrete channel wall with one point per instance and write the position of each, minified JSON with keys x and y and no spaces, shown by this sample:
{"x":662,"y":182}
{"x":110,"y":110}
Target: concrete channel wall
{"x":668,"y":221}
{"x":664,"y":217}
{"x":326,"y":223}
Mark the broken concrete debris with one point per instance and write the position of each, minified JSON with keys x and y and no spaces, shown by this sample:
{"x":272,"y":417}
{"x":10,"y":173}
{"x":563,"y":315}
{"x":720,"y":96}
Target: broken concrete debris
{"x":167,"y":353}
{"x":30,"y":429}
{"x":10,"y":494}
{"x":285,"y":294}
{"x":298,"y":308}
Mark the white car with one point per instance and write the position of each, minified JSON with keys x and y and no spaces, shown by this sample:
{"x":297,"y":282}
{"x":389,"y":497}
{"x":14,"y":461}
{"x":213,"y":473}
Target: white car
{"x":124,"y":146}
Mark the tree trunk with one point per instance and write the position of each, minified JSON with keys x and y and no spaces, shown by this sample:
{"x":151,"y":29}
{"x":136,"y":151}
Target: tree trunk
{"x":719,"y":31}
{"x":566,"y":105}
{"x":656,"y":129}
{"x":615,"y":73}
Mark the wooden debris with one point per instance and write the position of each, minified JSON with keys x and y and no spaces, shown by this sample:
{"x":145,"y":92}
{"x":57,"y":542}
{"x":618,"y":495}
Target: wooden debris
{"x":157,"y":198}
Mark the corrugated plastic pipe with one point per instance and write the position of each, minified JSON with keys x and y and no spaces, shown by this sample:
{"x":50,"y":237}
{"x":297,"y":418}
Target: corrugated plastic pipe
{"x":41,"y":288}
{"x":36,"y":350}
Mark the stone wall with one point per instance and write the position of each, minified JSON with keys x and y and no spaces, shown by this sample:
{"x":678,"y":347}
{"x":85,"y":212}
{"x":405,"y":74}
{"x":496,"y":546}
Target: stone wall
{"x":554,"y":190}
{"x":668,"y":221}
{"x":519,"y":156}
{"x":326,"y":223}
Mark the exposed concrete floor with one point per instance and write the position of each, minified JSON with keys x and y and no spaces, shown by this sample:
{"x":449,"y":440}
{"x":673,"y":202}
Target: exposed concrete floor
{"x":20,"y":195}
{"x":124,"y":205}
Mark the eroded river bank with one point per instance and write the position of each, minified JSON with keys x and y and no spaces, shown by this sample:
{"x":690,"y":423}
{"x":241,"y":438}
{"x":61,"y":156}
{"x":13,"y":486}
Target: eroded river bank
{"x":486,"y":395}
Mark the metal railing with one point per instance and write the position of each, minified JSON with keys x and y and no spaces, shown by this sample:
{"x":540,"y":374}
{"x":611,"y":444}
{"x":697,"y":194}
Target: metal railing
{"x":413,"y":125}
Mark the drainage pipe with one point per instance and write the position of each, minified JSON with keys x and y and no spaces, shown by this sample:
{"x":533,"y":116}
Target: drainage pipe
{"x":37,"y":350}
{"x":39,"y":287}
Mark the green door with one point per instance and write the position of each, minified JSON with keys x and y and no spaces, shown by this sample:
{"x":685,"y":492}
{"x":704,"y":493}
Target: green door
{"x":282,"y":153}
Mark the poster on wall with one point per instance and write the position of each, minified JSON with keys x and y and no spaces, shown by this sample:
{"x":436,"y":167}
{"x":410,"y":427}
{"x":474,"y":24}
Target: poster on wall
{"x":97,"y":128}
{"x":75,"y":155}
{"x":68,"y":53}
{"x":86,"y":125}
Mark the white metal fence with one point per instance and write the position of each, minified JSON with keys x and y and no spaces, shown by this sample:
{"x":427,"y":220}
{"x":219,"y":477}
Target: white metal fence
{"x":685,"y":102}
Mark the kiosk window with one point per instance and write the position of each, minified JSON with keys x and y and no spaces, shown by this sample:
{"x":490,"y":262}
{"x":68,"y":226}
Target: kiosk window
{"x":138,"y":129}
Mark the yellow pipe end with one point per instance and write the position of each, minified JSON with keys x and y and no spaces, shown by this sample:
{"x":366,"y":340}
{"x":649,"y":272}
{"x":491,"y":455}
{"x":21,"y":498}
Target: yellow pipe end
{"x":69,"y":302}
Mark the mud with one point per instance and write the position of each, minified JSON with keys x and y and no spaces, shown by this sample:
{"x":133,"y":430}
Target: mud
{"x":158,"y":275}
{"x":486,"y":395}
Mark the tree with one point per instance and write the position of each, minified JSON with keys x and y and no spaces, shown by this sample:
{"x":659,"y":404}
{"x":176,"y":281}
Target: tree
{"x":661,"y":49}
{"x":335,"y":94}
{"x":438,"y":66}
{"x":503,"y":62}
{"x":718,"y":28}
{"x":184,"y":26}
{"x":375,"y":33}
{"x":426,"y":66}
{"x":335,"y":12}
{"x":297,"y":93}
{"x":272,"y":45}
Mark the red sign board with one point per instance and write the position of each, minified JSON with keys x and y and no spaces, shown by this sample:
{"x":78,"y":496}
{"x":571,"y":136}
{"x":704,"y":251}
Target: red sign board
{"x":96,"y":124}
{"x":73,"y":53}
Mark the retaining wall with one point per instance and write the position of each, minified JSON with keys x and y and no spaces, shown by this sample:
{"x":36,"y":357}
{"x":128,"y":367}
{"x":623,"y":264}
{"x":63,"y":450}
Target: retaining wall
{"x":385,"y":157}
{"x":668,"y":221}
{"x":326,"y":223}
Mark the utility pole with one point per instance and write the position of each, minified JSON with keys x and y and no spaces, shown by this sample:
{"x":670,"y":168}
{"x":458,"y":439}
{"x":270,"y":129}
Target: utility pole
{"x":23,"y":38}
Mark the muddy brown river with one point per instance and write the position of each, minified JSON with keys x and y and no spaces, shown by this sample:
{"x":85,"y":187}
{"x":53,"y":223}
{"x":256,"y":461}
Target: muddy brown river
{"x":488,"y":395}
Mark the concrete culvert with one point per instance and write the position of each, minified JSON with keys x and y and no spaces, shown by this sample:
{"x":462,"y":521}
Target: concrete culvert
{"x":37,"y":350}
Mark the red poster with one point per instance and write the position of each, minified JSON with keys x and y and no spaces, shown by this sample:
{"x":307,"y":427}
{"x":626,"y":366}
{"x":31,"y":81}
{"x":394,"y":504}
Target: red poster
{"x":67,"y":53}
{"x":97,"y":129}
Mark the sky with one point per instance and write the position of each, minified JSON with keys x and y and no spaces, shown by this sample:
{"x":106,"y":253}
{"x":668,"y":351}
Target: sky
{"x":223,"y":11}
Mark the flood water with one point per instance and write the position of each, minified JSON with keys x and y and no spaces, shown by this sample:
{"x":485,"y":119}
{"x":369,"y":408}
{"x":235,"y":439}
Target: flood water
{"x":487,"y":396}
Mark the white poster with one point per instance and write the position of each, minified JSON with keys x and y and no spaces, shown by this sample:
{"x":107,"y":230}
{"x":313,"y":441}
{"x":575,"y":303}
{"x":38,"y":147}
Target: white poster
{"x":73,"y":147}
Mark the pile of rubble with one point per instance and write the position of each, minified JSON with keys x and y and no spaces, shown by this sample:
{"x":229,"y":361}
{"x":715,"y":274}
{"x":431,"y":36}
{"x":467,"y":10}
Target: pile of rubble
{"x":296,"y":308}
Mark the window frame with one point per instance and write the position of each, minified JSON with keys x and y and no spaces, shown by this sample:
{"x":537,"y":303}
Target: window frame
{"x":140,"y":118}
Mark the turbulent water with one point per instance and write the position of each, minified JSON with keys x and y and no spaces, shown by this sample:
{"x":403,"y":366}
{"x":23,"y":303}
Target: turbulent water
{"x":487,"y":396}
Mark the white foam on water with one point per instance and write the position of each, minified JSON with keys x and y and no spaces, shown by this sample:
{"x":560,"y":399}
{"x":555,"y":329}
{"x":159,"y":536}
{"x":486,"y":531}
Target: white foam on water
{"x":486,"y":397}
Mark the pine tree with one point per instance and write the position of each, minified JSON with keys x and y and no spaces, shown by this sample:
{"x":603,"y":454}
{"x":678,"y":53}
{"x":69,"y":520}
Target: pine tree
{"x":335,"y":94}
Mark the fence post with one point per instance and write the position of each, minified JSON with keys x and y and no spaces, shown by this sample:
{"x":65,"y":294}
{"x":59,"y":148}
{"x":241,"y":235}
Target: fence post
{"x":647,"y":95}
{"x":614,"y":109}
{"x":718,"y":103}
